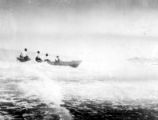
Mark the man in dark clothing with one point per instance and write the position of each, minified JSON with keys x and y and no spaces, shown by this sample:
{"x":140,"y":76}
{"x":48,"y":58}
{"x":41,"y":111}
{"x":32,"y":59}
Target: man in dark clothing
{"x":38,"y":58}
{"x":24,"y":55}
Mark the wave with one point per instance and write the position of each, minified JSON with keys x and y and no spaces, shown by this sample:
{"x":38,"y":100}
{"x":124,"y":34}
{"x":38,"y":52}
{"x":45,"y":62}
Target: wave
{"x":120,"y":81}
{"x":53,"y":84}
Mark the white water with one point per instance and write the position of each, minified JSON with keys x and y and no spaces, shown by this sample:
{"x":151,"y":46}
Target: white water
{"x":134,"y":83}
{"x":106,"y":73}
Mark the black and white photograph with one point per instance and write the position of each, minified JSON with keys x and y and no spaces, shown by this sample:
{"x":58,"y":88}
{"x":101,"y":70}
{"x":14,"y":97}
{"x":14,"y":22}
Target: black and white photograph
{"x":78,"y":59}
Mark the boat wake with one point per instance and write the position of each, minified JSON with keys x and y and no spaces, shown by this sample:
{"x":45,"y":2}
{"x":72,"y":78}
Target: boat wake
{"x":42,"y":91}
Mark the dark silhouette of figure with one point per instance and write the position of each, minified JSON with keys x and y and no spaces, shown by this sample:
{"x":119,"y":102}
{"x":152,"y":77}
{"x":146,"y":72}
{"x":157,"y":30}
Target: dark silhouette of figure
{"x":46,"y":57}
{"x":38,"y":58}
{"x":24,"y":55}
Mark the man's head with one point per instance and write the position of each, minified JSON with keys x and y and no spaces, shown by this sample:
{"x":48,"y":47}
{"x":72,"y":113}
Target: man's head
{"x":25,"y":49}
{"x":38,"y":52}
{"x":46,"y":54}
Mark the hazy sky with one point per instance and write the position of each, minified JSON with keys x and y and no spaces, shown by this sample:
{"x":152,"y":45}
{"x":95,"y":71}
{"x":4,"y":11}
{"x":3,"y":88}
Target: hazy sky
{"x":136,"y":17}
{"x":54,"y":24}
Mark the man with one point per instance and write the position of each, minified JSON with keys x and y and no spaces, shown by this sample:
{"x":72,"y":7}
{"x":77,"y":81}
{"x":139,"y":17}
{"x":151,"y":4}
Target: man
{"x":57,"y":59}
{"x":38,"y":58}
{"x":24,"y":54}
{"x":46,"y":57}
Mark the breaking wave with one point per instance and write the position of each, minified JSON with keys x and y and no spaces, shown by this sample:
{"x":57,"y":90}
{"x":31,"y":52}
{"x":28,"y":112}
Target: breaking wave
{"x":122,"y":82}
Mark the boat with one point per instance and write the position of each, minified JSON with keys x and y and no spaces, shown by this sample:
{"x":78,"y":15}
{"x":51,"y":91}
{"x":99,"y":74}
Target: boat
{"x":21,"y":59}
{"x":74,"y":63}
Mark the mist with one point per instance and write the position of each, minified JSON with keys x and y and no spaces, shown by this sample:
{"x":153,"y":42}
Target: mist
{"x":105,"y":32}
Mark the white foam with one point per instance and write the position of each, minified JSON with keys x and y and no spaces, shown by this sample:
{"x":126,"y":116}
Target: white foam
{"x":114,"y":91}
{"x":124,"y":82}
{"x":44,"y":88}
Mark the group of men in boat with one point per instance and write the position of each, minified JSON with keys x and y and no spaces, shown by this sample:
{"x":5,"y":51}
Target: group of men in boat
{"x":38,"y":58}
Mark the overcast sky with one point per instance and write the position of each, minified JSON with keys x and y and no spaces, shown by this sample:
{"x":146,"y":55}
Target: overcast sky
{"x":32,"y":23}
{"x":79,"y":4}
{"x":136,"y":17}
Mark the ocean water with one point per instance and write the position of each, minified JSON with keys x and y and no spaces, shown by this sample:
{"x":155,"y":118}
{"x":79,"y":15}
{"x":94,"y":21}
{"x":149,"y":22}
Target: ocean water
{"x":38,"y":91}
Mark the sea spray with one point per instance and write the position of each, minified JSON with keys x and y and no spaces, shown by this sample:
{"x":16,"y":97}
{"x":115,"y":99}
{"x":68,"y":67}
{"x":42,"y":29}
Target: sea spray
{"x":47,"y":90}
{"x":114,"y":91}
{"x":52,"y":83}
{"x":47,"y":87}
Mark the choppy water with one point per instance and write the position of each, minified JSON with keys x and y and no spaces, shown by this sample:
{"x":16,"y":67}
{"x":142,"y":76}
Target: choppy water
{"x":38,"y":91}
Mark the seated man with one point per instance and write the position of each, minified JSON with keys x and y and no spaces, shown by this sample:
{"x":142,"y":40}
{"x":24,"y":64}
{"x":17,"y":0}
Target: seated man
{"x":38,"y":58}
{"x":57,"y":59}
{"x":24,"y":55}
{"x":46,"y":57}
